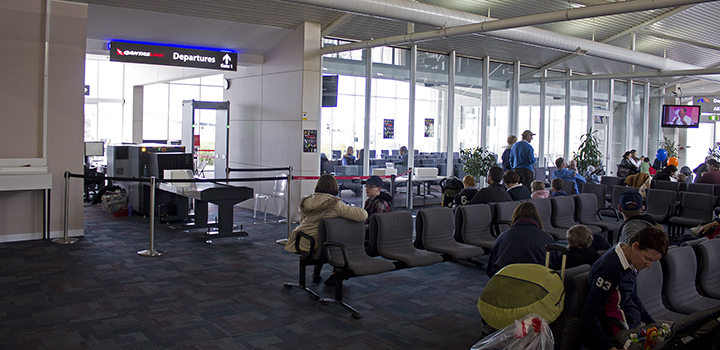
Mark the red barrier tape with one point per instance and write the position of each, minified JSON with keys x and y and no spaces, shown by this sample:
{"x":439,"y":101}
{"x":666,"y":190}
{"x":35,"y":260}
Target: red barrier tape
{"x":347,"y":177}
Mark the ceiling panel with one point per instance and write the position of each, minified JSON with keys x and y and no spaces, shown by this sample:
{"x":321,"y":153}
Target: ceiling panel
{"x":255,"y":26}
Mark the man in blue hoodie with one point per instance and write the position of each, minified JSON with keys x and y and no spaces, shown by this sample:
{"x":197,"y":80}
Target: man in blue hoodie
{"x":566,"y":174}
{"x":522,"y":158}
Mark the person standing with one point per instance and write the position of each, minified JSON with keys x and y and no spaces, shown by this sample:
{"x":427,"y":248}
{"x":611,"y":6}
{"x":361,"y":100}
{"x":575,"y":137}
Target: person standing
{"x":522,"y":158}
{"x":506,"y":153}
{"x":403,"y":156}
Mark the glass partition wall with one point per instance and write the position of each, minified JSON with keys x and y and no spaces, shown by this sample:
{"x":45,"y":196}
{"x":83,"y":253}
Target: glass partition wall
{"x":566,"y":116}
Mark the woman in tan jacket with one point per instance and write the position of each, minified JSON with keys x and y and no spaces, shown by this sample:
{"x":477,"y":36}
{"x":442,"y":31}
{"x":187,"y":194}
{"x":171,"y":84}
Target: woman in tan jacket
{"x":322,"y":204}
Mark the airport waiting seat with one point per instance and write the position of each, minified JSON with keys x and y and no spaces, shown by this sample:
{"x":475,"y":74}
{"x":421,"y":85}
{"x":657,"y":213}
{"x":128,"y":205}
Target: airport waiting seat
{"x":569,"y":187}
{"x":540,"y":174}
{"x":277,"y":195}
{"x":701,"y":188}
{"x":568,"y":328}
{"x":345,"y":252}
{"x":544,"y":208}
{"x":617,"y":192}
{"x":695,"y":209}
{"x":667,"y":185}
{"x":434,"y":232}
{"x":316,"y":255}
{"x":611,"y":181}
{"x":709,"y":276}
{"x":601,"y":192}
{"x":395,"y":242}
{"x":503,"y":215}
{"x":679,"y":287}
{"x":660,"y":204}
{"x":563,"y":214}
{"x":649,"y":288}
{"x":474,"y":225}
{"x":587,"y":214}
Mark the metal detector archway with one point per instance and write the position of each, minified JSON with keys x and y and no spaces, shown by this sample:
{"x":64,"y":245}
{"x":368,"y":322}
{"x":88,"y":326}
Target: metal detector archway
{"x":191,"y":135}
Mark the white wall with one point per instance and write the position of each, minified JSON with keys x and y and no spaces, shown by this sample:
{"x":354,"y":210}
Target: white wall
{"x":266,"y":112}
{"x":22,"y":23}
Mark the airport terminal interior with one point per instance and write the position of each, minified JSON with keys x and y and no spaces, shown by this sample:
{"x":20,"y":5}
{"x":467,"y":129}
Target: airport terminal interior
{"x":150,"y":209}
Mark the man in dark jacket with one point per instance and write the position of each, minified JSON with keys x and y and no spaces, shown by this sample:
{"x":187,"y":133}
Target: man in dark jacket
{"x":494,"y":192}
{"x":377,"y":201}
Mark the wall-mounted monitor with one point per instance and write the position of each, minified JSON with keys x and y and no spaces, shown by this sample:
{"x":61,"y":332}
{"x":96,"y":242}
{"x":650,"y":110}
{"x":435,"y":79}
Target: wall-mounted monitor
{"x":680,"y":116}
{"x":94,"y":148}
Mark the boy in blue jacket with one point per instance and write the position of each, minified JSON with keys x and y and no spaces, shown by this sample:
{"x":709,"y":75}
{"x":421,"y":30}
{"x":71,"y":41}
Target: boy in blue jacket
{"x":613,"y":303}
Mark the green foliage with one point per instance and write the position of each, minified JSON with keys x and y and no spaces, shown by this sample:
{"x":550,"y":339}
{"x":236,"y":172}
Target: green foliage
{"x":715,"y":152}
{"x":669,"y":146}
{"x":477,"y":161}
{"x":589,"y":151}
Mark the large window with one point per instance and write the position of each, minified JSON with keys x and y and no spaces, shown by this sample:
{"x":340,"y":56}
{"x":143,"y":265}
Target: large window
{"x":555,"y":119}
{"x":103,"y":100}
{"x":578,"y":114}
{"x":498,"y":117}
{"x":468,"y":102}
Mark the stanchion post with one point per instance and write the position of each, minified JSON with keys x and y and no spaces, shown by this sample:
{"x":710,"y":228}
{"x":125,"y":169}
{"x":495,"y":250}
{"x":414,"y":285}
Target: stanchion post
{"x":392,"y":192}
{"x":152,"y":252}
{"x":65,"y":239}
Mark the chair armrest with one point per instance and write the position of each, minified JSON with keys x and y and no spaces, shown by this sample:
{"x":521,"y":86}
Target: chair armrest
{"x":327,"y":246}
{"x":599,"y":210}
{"x":496,"y":227}
{"x":310,"y":252}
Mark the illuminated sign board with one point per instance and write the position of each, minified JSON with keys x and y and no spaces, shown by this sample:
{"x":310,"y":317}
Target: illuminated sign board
{"x":172,"y":56}
{"x":708,"y":105}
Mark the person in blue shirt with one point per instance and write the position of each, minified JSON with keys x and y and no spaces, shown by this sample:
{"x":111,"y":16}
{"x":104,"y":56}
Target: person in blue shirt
{"x":566,"y":174}
{"x":348,"y":158}
{"x":556,"y":186}
{"x":522,"y":158}
{"x":613,"y":303}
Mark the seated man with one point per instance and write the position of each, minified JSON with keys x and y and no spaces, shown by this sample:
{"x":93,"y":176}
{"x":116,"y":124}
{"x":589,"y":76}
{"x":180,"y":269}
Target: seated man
{"x":377,"y":201}
{"x":613,"y":303}
{"x":494,"y":192}
{"x":712,"y":176}
{"x":515,"y":188}
{"x":567,"y":174}
{"x":631,"y":208}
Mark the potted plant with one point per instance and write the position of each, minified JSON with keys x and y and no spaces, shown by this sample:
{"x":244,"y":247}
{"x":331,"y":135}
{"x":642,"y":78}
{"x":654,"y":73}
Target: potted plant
{"x":669,"y":146}
{"x":477,"y":161}
{"x":589,"y":152}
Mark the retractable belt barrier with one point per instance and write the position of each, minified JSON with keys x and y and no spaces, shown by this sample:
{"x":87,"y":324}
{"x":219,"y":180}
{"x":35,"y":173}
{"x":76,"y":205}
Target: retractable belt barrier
{"x":391,"y":177}
{"x":152,"y":180}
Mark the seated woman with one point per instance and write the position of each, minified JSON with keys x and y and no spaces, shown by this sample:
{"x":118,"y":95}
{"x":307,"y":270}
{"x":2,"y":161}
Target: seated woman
{"x":515,"y":189}
{"x":627,"y":166}
{"x":666,"y":174}
{"x":322,"y":204}
{"x":348,"y":158}
{"x":539,"y":191}
{"x":709,"y":230}
{"x":641,"y":181}
{"x":580,"y":239}
{"x":524,"y":242}
{"x":467,"y":194}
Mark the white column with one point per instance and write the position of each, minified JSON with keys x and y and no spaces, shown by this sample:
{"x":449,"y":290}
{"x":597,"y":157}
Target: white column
{"x":368,"y":105}
{"x":568,"y":96}
{"x":411,"y":119}
{"x":485,"y":102}
{"x":543,"y":122}
{"x":451,"y":114}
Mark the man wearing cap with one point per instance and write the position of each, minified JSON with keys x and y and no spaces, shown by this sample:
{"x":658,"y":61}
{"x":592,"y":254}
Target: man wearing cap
{"x":631,"y":207}
{"x":522,"y":158}
{"x":377,"y":201}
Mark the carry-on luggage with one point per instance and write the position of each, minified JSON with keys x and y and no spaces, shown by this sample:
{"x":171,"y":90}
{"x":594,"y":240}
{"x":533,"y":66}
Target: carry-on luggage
{"x":520,"y":289}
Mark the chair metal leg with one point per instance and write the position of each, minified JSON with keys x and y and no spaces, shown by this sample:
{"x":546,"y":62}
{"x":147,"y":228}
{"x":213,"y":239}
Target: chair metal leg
{"x":255,"y":211}
{"x":301,"y":281}
{"x":265,"y":210}
{"x":338,"y":297}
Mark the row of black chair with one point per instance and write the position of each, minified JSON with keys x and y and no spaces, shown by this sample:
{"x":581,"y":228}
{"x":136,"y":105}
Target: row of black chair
{"x":341,"y":243}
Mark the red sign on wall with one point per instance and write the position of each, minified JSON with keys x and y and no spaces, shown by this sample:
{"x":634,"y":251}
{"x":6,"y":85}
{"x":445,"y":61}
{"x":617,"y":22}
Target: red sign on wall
{"x":196,"y":140}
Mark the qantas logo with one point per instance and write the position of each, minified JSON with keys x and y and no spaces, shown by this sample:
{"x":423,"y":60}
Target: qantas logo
{"x":138,"y":53}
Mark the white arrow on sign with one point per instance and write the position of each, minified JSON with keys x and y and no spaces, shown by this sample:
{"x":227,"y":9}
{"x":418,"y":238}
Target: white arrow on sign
{"x":227,"y":59}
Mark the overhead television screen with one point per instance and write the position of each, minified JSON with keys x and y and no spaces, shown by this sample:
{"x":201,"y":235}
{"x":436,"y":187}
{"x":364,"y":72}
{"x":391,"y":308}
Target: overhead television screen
{"x":680,"y":116}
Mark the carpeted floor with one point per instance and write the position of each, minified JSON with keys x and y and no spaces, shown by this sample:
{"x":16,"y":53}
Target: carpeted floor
{"x":100,"y":294}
